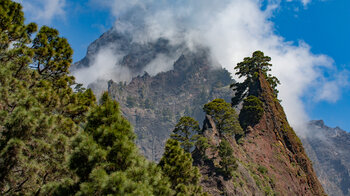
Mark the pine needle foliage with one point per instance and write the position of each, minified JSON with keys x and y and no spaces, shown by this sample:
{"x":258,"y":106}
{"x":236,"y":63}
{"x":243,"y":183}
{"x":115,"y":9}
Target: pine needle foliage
{"x":224,"y":116}
{"x":106,"y":161}
{"x":177,"y":165}
{"x":186,"y":132}
{"x":251,"y":112}
{"x":250,"y":68}
{"x":228,"y":162}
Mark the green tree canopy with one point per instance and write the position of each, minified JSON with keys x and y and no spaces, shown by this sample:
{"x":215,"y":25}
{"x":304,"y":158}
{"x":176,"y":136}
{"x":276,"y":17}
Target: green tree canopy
{"x":12,"y":27}
{"x":52,"y":54}
{"x":186,"y":132}
{"x":250,"y":69}
{"x":36,"y":122}
{"x":202,"y":145}
{"x":251,"y":112}
{"x":224,"y":116}
{"x":15,"y":37}
{"x":106,"y":160}
{"x":37,"y":115}
{"x":177,"y":165}
{"x":227,"y":162}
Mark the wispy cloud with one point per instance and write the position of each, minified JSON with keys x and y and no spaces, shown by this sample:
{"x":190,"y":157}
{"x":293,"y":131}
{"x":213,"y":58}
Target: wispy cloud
{"x":304,"y":2}
{"x":43,"y":11}
{"x":233,"y":29}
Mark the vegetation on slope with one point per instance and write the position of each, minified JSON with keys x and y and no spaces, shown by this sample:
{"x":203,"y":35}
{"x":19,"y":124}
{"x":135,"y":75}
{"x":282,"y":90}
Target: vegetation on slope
{"x":105,"y":159}
{"x":39,"y":110}
{"x":224,"y":116}
{"x":177,"y":165}
{"x":55,"y":140}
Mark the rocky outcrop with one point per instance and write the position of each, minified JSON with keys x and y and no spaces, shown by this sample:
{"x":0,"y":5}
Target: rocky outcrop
{"x":154,"y":104}
{"x":328,"y":148}
{"x":271,"y":158}
{"x":135,"y":55}
{"x":246,"y":179}
{"x":277,"y":128}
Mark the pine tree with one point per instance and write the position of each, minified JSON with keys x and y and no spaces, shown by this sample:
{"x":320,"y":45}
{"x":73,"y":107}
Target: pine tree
{"x":250,"y":69}
{"x":106,"y":160}
{"x":177,"y":165}
{"x":202,"y":145}
{"x":224,"y":116}
{"x":251,"y":112}
{"x":186,"y":132}
{"x":227,"y":162}
{"x":52,"y":54}
{"x":37,"y":115}
{"x":13,"y":31}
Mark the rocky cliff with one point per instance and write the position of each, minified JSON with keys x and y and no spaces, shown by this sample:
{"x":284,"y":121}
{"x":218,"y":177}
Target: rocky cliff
{"x":328,"y":148}
{"x":271,"y":159}
{"x":134,"y":55}
{"x":154,"y":104}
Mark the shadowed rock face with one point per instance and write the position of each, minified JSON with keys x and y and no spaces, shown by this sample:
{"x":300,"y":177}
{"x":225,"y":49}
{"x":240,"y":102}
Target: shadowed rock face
{"x":153,"y":104}
{"x":135,"y":55}
{"x":329,"y":148}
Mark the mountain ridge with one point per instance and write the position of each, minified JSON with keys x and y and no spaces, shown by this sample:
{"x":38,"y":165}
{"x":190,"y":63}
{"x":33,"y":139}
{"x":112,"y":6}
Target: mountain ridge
{"x":168,"y":96}
{"x":153,"y":104}
{"x":270,"y":157}
{"x":327,"y":147}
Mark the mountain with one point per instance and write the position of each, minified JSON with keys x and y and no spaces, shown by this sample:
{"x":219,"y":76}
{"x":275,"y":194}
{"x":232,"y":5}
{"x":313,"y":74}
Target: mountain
{"x":328,"y":148}
{"x":135,"y":56}
{"x":153,"y":104}
{"x":270,"y":158}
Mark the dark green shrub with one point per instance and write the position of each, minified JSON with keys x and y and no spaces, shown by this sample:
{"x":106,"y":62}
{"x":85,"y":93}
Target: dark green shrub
{"x":262,"y":169}
{"x":251,"y":112}
{"x":228,"y":162}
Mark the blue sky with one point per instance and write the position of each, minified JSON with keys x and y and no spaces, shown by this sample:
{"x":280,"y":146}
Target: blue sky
{"x":323,"y":24}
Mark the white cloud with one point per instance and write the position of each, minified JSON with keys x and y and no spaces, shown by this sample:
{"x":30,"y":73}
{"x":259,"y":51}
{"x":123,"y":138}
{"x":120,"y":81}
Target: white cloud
{"x":233,"y":29}
{"x":331,"y":90}
{"x":104,"y":67}
{"x":43,"y":11}
{"x":161,"y":63}
{"x":305,"y":2}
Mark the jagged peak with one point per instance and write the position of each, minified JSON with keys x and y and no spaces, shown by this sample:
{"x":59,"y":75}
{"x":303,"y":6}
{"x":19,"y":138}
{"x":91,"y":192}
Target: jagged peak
{"x":319,"y":123}
{"x":275,"y":120}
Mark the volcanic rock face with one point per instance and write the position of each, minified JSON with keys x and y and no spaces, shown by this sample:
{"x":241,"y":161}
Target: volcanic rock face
{"x":153,"y":104}
{"x":135,"y":56}
{"x":328,"y":148}
{"x":271,"y":159}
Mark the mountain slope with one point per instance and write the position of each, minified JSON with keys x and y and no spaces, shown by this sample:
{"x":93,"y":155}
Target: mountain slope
{"x":271,"y":158}
{"x":154,"y":104}
{"x":157,"y":96}
{"x":328,"y":148}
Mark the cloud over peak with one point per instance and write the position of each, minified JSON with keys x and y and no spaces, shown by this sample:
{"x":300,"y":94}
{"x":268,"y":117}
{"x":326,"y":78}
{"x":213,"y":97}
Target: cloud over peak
{"x":233,"y":29}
